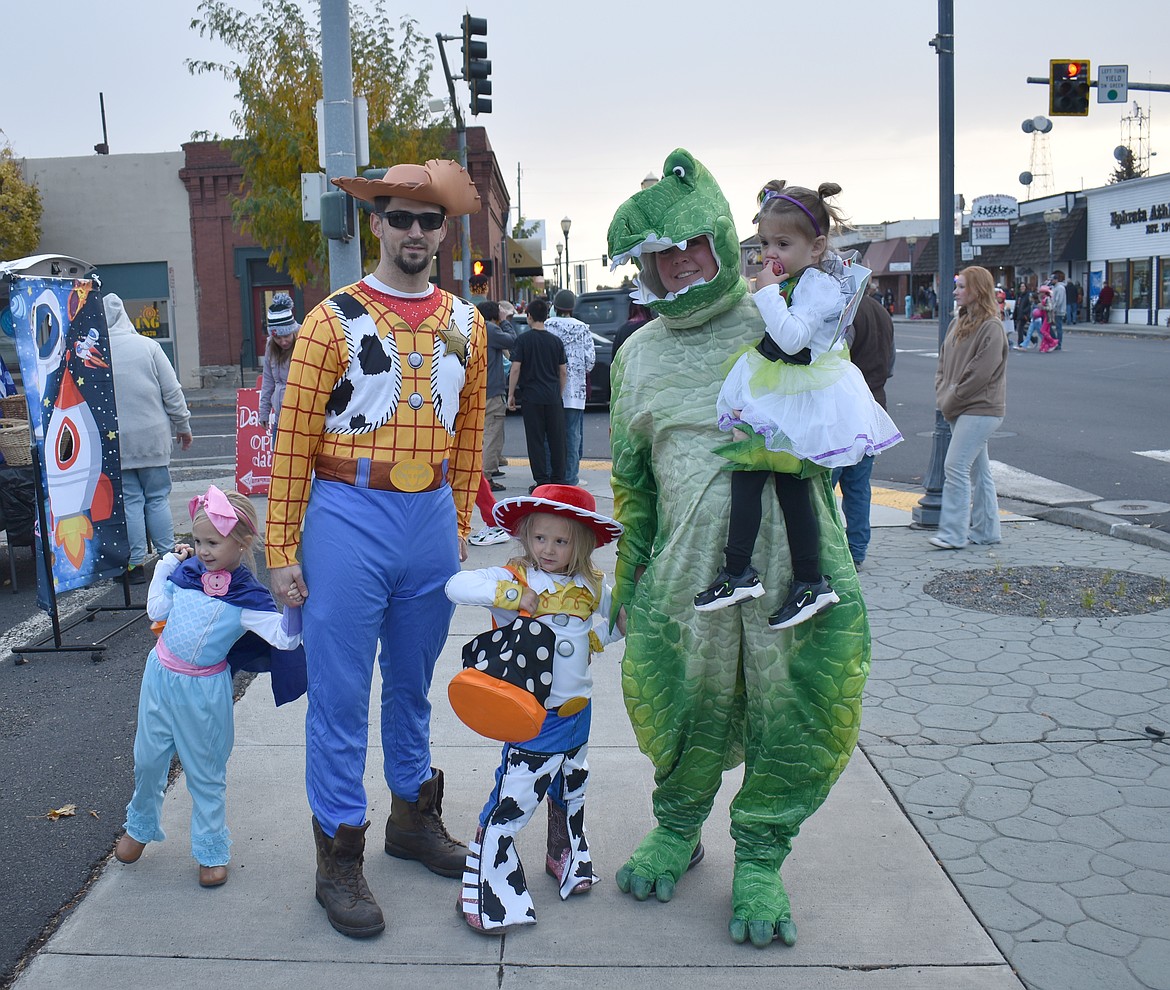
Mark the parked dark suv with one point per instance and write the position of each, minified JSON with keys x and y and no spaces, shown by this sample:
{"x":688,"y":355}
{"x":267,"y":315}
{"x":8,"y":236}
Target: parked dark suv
{"x":605,"y":311}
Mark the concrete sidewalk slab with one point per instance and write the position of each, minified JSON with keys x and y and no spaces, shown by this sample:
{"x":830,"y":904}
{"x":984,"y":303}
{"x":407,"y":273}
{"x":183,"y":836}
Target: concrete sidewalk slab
{"x":874,"y":909}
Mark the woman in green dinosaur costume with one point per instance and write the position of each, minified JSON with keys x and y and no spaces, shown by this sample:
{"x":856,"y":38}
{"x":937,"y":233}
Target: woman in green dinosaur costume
{"x":706,"y":691}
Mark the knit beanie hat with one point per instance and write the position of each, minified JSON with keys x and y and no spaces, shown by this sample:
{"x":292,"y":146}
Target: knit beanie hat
{"x":280,"y":316}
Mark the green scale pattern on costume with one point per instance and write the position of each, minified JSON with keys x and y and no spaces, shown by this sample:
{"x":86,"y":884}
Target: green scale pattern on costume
{"x":706,"y":691}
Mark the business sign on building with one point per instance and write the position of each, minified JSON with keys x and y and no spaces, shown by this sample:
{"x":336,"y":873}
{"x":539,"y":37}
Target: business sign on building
{"x":990,"y":232}
{"x":994,"y":208}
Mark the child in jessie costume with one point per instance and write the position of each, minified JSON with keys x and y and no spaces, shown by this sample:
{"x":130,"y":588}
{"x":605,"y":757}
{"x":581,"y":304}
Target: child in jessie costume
{"x":555,"y":582}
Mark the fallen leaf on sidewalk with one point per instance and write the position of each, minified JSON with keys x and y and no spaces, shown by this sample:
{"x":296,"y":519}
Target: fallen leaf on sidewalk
{"x":65,"y":811}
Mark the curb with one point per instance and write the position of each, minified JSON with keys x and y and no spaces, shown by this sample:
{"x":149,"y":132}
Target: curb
{"x":1093,"y":522}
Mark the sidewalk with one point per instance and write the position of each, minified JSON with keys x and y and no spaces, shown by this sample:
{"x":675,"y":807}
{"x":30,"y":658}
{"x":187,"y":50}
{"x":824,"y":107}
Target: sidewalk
{"x":1004,"y":811}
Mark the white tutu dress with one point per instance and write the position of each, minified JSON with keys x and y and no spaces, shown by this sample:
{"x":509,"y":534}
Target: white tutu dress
{"x":821,"y":412}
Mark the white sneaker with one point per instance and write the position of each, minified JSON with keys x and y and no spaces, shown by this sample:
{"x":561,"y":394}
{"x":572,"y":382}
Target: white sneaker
{"x":489,"y":536}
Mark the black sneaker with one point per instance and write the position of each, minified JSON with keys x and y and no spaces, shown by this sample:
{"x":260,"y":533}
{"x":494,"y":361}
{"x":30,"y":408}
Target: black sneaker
{"x":728,"y":590}
{"x":803,"y":602}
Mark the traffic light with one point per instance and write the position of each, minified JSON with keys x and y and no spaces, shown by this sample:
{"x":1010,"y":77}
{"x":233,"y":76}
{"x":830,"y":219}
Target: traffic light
{"x":1068,"y":87}
{"x":476,"y":65}
{"x":481,"y":269}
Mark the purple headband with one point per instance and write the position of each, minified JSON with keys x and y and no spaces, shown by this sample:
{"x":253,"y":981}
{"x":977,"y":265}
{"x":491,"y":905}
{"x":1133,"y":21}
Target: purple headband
{"x":773,"y":194}
{"x":220,"y":511}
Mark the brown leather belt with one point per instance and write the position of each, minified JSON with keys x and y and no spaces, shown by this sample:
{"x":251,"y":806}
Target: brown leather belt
{"x":408,"y":476}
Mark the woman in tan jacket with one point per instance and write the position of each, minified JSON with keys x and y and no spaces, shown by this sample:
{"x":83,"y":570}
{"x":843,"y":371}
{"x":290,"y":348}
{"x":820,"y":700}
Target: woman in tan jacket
{"x":970,"y":388}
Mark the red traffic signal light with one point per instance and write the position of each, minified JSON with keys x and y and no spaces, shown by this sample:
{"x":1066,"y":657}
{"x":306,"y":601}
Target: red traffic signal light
{"x":481,"y":269}
{"x":1068,"y":87}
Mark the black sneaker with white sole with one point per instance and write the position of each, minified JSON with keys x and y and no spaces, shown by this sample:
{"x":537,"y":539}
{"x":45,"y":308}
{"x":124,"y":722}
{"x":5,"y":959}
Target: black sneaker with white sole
{"x":729,"y":590}
{"x":803,"y":602}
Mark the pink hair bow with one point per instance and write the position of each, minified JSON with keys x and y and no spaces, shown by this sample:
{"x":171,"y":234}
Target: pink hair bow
{"x":220,"y":511}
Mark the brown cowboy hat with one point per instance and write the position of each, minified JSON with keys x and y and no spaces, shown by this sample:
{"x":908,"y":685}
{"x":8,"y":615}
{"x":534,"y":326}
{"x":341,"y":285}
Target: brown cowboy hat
{"x":439,"y":181}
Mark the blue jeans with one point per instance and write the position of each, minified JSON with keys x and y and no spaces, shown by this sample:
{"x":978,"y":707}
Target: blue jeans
{"x":855,"y":495}
{"x":574,"y":425}
{"x":146,"y":494}
{"x":970,"y":512}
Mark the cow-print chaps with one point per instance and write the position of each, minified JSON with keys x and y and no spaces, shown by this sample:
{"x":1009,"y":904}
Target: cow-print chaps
{"x":495,"y":891}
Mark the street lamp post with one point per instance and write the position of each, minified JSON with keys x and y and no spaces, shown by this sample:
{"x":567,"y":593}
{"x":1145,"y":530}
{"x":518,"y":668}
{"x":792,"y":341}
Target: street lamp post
{"x":1052,"y":218}
{"x":566,"y":223}
{"x":910,"y":242}
{"x":560,"y":248}
{"x":926,"y":512}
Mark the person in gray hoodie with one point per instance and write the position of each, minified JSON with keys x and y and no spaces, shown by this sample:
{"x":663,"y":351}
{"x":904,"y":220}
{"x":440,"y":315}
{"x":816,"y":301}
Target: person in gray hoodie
{"x":150,"y":406}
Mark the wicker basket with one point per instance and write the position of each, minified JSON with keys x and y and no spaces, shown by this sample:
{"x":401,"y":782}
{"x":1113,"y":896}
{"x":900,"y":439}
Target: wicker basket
{"x":13,"y":407}
{"x":14,"y":442}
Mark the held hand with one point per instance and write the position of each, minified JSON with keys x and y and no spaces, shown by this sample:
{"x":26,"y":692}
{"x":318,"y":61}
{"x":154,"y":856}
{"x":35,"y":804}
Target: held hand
{"x":288,"y":585}
{"x":771,"y":274}
{"x":529,"y":602}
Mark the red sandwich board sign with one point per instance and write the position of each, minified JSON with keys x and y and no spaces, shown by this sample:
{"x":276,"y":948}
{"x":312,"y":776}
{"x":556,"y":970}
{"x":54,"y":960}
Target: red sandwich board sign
{"x":253,"y":445}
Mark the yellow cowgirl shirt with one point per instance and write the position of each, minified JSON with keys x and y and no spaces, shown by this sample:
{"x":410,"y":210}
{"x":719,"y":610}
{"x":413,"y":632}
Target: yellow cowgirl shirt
{"x":400,"y":381}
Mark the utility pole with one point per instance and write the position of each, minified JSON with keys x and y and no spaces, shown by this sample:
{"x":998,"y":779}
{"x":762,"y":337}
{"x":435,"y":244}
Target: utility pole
{"x":926,"y":512}
{"x":345,"y":254}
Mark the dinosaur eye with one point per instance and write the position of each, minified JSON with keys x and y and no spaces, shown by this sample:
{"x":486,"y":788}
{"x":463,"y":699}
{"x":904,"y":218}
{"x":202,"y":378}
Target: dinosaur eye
{"x":679,"y":171}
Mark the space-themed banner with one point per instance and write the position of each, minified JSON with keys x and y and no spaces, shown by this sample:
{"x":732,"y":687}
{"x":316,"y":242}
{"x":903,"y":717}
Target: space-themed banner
{"x":64,"y":351}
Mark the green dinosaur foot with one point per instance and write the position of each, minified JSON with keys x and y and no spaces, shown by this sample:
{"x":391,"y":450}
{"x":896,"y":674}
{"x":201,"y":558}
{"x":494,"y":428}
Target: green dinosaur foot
{"x":759,"y":906}
{"x":658,"y":862}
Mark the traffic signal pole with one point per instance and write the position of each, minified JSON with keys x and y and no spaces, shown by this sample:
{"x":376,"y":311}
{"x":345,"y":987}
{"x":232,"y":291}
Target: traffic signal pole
{"x":461,"y":142}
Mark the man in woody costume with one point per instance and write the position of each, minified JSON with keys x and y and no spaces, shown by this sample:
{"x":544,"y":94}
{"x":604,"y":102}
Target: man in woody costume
{"x":378,"y":457}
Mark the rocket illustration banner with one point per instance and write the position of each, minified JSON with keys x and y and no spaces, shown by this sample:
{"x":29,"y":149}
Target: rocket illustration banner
{"x":64,"y":351}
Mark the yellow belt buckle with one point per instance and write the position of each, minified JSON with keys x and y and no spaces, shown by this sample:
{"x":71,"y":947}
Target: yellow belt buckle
{"x":412,"y":476}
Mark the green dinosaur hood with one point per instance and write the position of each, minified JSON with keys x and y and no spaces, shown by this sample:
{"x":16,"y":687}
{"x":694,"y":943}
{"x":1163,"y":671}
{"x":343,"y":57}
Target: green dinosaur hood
{"x":686,"y":203}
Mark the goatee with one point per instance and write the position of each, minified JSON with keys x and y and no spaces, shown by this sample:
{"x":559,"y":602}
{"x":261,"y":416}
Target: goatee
{"x":409,"y":267}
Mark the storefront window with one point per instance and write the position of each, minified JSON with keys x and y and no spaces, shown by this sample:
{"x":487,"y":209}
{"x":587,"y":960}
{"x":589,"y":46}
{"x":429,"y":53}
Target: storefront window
{"x":1164,"y":288}
{"x":1117,"y":275}
{"x":150,"y":317}
{"x":1139,"y":283}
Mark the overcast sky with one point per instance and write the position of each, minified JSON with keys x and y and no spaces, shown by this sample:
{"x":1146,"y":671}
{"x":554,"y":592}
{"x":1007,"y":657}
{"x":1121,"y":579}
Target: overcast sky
{"x":591,"y":96}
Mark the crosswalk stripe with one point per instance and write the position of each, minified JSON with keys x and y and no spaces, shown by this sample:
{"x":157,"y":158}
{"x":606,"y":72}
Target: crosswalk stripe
{"x":1158,"y":455}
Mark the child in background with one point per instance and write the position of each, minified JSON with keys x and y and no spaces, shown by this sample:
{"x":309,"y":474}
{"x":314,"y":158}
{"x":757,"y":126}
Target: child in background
{"x":1047,"y":338}
{"x":556,"y":582}
{"x":282,"y":334}
{"x":797,"y":394}
{"x":209,"y":599}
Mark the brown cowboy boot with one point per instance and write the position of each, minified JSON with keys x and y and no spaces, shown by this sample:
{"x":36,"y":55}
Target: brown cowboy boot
{"x":341,"y":888}
{"x":415,"y":830}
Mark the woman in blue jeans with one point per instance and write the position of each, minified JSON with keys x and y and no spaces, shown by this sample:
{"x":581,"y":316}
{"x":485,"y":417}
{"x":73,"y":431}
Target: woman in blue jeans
{"x":970,"y":389}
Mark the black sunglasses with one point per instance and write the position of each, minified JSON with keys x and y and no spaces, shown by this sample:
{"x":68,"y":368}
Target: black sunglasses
{"x":404,"y":219}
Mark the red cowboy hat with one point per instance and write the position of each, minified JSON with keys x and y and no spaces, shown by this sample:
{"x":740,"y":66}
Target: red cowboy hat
{"x":568,"y":501}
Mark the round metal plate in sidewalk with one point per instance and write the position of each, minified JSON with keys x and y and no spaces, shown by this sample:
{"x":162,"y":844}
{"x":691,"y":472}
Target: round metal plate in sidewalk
{"x":1052,"y":592}
{"x":1131,"y":507}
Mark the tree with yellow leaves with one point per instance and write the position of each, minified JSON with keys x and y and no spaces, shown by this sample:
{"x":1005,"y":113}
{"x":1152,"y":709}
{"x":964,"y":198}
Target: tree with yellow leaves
{"x":278,"y":76}
{"x":20,"y":209}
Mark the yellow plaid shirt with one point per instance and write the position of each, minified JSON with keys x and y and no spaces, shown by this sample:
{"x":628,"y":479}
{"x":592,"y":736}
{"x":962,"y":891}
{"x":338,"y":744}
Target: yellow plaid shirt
{"x":320,"y":359}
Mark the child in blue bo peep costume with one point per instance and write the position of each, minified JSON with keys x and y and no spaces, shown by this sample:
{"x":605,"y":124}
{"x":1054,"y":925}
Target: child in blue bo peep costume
{"x":216,"y":616}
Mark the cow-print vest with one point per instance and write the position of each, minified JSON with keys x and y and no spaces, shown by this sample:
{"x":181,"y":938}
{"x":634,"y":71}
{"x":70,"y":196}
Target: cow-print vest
{"x":368,"y":394}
